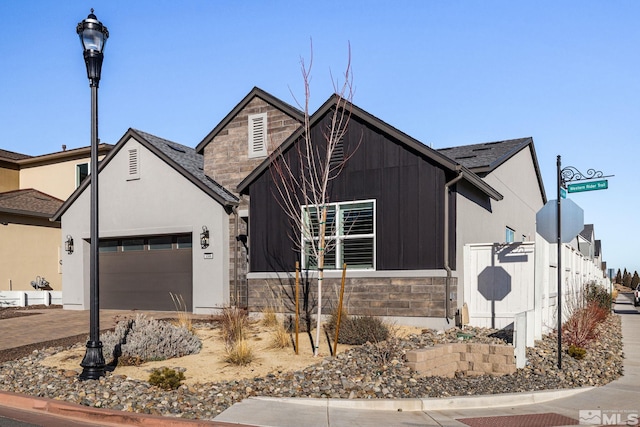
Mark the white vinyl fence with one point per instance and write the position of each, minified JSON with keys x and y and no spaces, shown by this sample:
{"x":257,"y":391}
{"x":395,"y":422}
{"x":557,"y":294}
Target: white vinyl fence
{"x":505,"y":280}
{"x":25,"y":298}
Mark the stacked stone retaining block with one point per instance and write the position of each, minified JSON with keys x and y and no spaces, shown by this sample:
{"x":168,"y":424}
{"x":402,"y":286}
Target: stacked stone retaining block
{"x":471,"y":359}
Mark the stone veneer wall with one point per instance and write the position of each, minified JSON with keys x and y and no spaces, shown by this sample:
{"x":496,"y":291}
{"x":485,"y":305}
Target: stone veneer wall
{"x":373,"y":296}
{"x":226,"y":160}
{"x":469,"y":358}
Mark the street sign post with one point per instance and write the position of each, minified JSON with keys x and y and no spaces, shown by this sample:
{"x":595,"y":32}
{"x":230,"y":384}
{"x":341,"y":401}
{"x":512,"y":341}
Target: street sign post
{"x":588,"y":186}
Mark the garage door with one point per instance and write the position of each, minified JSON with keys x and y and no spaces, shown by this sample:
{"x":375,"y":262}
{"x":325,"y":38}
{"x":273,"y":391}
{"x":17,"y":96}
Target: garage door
{"x":139,"y":273}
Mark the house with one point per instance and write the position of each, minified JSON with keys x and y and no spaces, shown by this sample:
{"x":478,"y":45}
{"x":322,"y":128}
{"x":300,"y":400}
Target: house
{"x":32,"y":188}
{"x":511,"y":167}
{"x":29,"y":242}
{"x":422,"y":206}
{"x":246,"y":136}
{"x":164,"y":229}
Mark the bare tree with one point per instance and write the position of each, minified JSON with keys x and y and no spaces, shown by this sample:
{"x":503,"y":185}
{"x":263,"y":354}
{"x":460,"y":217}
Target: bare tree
{"x":303,"y":180}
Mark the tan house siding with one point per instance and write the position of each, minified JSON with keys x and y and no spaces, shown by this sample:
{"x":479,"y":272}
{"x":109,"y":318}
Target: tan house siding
{"x":30,"y":248}
{"x":9,"y":179}
{"x":227,"y":161}
{"x":56,"y":179}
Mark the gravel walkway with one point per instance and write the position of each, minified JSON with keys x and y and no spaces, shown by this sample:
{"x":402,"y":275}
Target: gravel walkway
{"x":366,"y":372}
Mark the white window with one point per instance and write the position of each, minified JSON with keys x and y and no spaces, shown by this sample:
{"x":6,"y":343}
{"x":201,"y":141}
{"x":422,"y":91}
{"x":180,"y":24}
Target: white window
{"x":349,"y":235}
{"x":258,"y":135}
{"x":82,"y":171}
{"x":510,"y":235}
{"x":134,"y":165}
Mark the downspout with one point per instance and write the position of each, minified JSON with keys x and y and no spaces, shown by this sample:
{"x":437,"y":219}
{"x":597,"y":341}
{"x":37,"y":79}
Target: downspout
{"x":447,"y":296}
{"x":235,"y":258}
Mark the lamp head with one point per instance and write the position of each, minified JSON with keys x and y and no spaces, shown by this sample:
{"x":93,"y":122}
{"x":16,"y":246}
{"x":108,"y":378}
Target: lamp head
{"x":93,"y":36}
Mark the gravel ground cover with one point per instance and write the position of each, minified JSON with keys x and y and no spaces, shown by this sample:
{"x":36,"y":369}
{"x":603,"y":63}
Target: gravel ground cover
{"x":369,"y":371}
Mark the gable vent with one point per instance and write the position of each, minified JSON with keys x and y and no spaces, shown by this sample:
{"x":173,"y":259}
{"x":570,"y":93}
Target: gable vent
{"x":337,"y":156}
{"x":258,"y":135}
{"x":134,"y":164}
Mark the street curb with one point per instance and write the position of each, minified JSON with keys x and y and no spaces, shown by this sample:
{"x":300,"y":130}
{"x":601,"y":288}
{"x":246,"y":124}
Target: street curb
{"x":436,"y":403}
{"x":106,"y":417}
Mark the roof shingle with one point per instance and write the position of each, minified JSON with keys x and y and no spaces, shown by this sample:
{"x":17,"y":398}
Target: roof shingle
{"x":30,"y":202}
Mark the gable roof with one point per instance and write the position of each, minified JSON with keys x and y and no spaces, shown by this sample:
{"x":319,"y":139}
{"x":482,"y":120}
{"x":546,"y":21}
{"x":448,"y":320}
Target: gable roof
{"x":484,"y":158}
{"x":255,"y":92}
{"x":29,"y":202}
{"x":587,"y":232}
{"x":181,"y":158}
{"x":375,"y":122}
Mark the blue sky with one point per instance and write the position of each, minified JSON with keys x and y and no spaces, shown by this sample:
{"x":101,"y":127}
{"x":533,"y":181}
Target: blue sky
{"x":445,"y":72}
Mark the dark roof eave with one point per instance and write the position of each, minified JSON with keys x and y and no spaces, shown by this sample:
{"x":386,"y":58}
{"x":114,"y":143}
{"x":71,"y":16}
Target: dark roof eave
{"x":22,"y":212}
{"x":131,"y":133}
{"x":370,"y":119}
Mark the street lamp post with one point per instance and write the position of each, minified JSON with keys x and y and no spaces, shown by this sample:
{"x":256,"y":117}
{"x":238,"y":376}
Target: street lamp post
{"x":93,"y":36}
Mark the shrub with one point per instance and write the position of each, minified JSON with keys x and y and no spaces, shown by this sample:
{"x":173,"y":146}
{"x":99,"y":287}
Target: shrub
{"x":357,"y":330}
{"x":582,"y":326}
{"x":576,"y":352}
{"x":598,"y":295}
{"x":239,"y":353}
{"x":144,"y":339}
{"x":167,"y":379}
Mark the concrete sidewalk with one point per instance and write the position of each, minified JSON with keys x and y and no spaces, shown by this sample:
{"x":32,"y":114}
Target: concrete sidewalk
{"x":617,"y":400}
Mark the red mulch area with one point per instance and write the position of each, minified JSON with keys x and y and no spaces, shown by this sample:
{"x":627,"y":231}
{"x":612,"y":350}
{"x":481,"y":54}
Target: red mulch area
{"x":529,"y":420}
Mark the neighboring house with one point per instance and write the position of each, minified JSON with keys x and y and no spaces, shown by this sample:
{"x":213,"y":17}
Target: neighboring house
{"x":29,"y":242}
{"x":155,"y":206}
{"x":587,"y":242}
{"x":421,"y":205}
{"x":235,"y":147}
{"x":32,"y":188}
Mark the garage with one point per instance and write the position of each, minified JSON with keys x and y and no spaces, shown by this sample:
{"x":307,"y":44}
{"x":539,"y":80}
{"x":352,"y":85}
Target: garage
{"x":141,"y":273}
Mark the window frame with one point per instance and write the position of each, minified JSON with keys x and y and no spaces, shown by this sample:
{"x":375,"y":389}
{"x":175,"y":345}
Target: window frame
{"x":79,"y":180}
{"x":509,"y":235}
{"x":337,"y":234}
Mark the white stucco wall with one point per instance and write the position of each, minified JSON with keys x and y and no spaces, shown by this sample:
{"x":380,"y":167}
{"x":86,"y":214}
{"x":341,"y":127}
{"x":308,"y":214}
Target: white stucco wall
{"x":161,"y":201}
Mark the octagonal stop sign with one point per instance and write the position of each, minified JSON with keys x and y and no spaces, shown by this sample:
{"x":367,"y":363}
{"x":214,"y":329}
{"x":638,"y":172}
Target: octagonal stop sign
{"x":572,"y":221}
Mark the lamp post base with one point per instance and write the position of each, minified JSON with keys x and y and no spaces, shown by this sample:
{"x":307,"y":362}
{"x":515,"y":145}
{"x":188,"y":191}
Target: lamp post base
{"x":93,"y":362}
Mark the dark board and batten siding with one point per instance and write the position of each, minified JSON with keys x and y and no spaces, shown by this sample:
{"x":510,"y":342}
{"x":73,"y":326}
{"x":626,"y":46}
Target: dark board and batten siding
{"x":409,"y":193}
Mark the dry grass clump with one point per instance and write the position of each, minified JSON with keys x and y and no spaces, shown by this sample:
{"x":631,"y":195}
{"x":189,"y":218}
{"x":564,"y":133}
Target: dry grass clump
{"x":239,"y":353}
{"x":234,"y":323}
{"x":183,"y":316}
{"x":269,"y":317}
{"x":280,"y":337}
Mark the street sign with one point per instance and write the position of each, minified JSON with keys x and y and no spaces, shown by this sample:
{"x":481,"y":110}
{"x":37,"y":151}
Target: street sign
{"x":572,"y":221}
{"x":563,"y":193}
{"x":588,"y":186}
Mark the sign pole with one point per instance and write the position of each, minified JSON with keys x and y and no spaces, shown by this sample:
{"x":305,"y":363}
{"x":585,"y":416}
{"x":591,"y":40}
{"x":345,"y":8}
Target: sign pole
{"x":559,"y":263}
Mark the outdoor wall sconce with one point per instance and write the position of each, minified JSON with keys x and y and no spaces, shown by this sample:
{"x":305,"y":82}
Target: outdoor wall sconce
{"x":68,"y":245}
{"x":204,"y":237}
